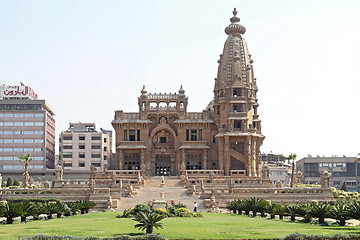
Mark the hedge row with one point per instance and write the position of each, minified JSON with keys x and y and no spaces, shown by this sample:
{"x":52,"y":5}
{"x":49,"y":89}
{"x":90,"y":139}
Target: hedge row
{"x":121,"y":237}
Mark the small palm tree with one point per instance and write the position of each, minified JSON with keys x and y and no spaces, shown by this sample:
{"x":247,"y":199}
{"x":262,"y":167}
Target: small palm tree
{"x":355,"y":210}
{"x":291,"y":210}
{"x":321,"y":212}
{"x":271,"y":209}
{"x":26,"y":159}
{"x":303,"y":210}
{"x":292,"y":157}
{"x":10,"y":211}
{"x":85,"y":205}
{"x":340,"y":213}
{"x":148,"y":221}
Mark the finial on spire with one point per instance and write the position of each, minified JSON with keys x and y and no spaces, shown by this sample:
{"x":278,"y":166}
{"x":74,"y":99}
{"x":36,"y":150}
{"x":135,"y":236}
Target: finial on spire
{"x":181,"y":90}
{"x":235,"y":12}
{"x":143,"y":91}
{"x":235,"y":28}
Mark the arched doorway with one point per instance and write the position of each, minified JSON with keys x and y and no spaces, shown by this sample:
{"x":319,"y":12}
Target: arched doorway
{"x":163,"y":152}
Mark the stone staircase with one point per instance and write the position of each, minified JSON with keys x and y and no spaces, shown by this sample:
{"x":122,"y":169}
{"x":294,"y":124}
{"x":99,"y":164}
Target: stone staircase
{"x":173,"y":190}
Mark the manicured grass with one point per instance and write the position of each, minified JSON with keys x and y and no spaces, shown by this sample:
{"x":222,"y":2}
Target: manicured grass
{"x":212,"y":226}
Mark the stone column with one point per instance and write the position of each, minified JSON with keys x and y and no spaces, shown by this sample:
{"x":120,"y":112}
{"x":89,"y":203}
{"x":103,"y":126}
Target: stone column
{"x":248,"y":155}
{"x":204,"y":158}
{"x":120,"y":160}
{"x":142,"y":161}
{"x":253,"y":158}
{"x":227,"y":156}
{"x":183,"y":159}
{"x":221,"y":153}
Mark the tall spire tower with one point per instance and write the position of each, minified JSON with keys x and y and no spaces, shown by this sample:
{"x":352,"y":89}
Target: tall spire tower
{"x":235,"y":104}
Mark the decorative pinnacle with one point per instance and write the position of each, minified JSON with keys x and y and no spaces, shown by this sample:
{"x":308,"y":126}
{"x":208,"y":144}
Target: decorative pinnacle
{"x":143,"y":91}
{"x":235,"y":12}
{"x":235,"y":19}
{"x":181,"y":90}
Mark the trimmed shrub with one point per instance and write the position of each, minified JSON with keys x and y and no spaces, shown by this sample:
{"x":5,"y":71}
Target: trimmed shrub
{"x":120,"y":237}
{"x":17,"y":183}
{"x":9,"y":182}
{"x":298,"y":236}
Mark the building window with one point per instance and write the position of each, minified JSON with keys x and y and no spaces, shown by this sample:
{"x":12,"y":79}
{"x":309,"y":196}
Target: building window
{"x":200,"y":134}
{"x":81,"y":138}
{"x":29,"y":115}
{"x":67,"y":138}
{"x":237,"y":124}
{"x":67,"y":147}
{"x":105,"y":149}
{"x":19,"y":124}
{"x":28,"y":141}
{"x":193,"y":135}
{"x":138,"y":135}
{"x":9,"y":115}
{"x":95,"y":146}
{"x":95,"y":155}
{"x":214,"y":139}
{"x":9,"y":124}
{"x":39,"y":141}
{"x":81,"y":164}
{"x":29,"y":124}
{"x":131,"y":135}
{"x":81,"y":146}
{"x":68,"y":165}
{"x":125,"y":135}
{"x":19,"y":115}
{"x":95,"y":164}
{"x":95,"y":138}
{"x":39,"y":115}
{"x":104,"y":157}
{"x":187,"y":134}
{"x":81,"y":155}
{"x":39,"y":124}
{"x":67,"y":155}
{"x":105,"y":140}
{"x":162,"y":139}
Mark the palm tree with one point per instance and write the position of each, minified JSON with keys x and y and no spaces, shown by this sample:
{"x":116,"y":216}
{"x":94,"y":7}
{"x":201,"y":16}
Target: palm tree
{"x":303,"y":210}
{"x":271,"y":209}
{"x":320,"y":212}
{"x":292,"y":157}
{"x":26,"y":159}
{"x":85,"y":205}
{"x":10,"y":211}
{"x":341,"y":213}
{"x":355,"y":210}
{"x":148,"y":221}
{"x":291,"y":210}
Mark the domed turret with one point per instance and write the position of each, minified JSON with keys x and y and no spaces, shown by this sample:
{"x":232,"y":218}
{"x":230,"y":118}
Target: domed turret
{"x":235,"y":28}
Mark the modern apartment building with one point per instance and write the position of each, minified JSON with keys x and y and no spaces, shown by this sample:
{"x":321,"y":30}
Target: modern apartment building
{"x":271,"y":158}
{"x":82,"y":146}
{"x":342,"y":169}
{"x":27,"y":125}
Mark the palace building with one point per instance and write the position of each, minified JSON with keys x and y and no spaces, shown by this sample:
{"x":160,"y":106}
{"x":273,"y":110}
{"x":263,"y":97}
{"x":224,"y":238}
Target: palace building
{"x":163,"y":138}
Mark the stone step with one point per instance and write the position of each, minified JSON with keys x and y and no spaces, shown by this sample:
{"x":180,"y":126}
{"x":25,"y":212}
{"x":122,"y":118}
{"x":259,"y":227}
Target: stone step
{"x":146,"y":194}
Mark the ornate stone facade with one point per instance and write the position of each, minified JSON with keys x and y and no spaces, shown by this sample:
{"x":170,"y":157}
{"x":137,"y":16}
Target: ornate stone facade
{"x":163,"y":138}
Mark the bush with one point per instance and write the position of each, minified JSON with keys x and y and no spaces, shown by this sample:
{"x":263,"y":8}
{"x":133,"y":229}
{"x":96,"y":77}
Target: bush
{"x":9,"y":182}
{"x":120,"y":237}
{"x":298,"y":236}
{"x":17,"y":182}
{"x":34,"y":200}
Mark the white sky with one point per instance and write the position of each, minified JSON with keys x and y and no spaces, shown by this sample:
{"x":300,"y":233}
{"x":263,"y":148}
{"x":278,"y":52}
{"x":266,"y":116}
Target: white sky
{"x":88,"y":58}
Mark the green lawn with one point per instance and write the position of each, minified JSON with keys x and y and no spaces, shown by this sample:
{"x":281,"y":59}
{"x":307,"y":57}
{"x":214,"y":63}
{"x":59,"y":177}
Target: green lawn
{"x":212,"y":226}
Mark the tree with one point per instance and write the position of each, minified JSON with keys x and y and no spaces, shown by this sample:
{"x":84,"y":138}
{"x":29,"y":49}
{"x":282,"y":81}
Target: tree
{"x":292,"y":157}
{"x":26,"y":159}
{"x":9,"y":182}
{"x":344,"y":187}
{"x":321,"y":212}
{"x":85,"y":205}
{"x":16,"y":182}
{"x":291,"y":210}
{"x":341,"y":213}
{"x":148,"y":221}
{"x":10,"y":211}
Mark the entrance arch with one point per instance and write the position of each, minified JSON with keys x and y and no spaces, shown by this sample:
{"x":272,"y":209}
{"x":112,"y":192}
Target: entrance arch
{"x":163,"y":142}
